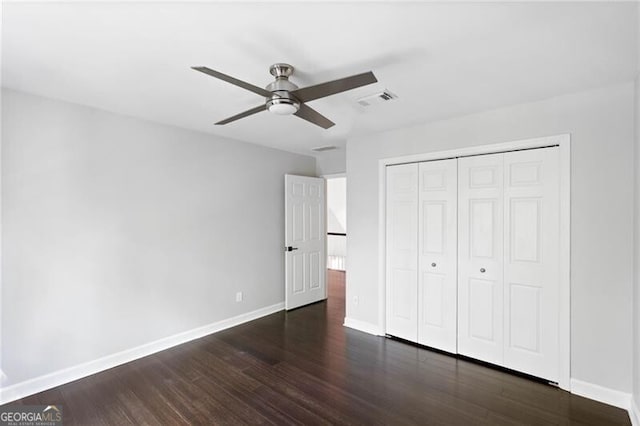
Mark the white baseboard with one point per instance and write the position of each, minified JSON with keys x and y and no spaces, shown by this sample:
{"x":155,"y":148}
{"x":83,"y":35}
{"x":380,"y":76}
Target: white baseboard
{"x":60,"y":377}
{"x":634,"y":413}
{"x":365,"y":327}
{"x":600,"y":393}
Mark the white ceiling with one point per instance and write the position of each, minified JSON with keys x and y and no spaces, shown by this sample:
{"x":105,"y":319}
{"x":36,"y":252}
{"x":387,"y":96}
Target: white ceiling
{"x":441,"y":59}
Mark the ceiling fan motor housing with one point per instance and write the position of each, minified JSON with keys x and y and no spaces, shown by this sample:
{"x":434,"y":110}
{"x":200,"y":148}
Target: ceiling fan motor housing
{"x":282,"y":102}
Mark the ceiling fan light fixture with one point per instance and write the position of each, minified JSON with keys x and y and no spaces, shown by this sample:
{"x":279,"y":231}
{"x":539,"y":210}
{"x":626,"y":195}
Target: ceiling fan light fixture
{"x":283,"y":106}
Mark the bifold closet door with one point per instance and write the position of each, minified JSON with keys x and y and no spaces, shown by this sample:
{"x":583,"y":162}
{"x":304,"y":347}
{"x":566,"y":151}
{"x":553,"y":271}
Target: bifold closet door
{"x":402,"y":251}
{"x":437,"y":263}
{"x":508,"y":266}
{"x":480,"y":257}
{"x":531,"y":269}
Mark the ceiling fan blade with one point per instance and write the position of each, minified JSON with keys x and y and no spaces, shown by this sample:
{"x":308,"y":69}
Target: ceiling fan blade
{"x":243,"y":114}
{"x":321,"y":90}
{"x":255,"y":89}
{"x":313,"y":116}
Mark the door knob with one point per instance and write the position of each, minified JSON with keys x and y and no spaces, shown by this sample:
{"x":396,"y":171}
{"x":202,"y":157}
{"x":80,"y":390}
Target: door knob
{"x":433,"y":265}
{"x":289,"y":248}
{"x":483,"y":270}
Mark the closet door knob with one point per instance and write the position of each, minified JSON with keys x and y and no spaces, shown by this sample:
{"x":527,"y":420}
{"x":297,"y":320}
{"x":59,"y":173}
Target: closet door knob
{"x":433,"y":265}
{"x":483,"y":270}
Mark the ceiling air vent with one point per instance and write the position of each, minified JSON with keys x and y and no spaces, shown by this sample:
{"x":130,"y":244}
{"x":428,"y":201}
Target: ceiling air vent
{"x":324,"y":148}
{"x":377,"y":98}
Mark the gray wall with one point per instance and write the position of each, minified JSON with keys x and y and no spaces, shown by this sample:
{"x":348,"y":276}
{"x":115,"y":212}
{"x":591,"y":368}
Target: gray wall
{"x":331,"y":162}
{"x":118,"y":232}
{"x":636,"y":299}
{"x":602,"y":129}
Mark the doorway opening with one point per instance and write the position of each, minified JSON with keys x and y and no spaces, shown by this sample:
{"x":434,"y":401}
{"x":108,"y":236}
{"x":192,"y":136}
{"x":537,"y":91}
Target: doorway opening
{"x":336,"y":239}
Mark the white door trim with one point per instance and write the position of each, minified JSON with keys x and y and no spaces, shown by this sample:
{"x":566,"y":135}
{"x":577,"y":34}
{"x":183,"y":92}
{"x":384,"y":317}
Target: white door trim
{"x":564,"y":145}
{"x":334,"y":175}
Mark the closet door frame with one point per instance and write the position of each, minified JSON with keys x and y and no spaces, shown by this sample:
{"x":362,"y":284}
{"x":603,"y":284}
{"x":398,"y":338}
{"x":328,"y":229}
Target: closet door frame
{"x":563,"y":142}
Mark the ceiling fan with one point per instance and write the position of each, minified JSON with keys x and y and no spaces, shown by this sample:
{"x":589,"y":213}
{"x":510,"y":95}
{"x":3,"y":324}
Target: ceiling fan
{"x":283,"y":97}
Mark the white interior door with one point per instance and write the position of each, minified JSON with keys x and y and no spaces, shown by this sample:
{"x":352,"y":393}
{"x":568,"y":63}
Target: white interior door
{"x":402,"y":251}
{"x":305,"y":256}
{"x":437,"y":261}
{"x":480,"y":257}
{"x":531,"y":269}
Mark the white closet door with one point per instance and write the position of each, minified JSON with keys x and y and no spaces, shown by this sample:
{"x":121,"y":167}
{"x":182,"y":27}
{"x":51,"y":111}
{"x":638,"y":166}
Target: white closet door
{"x":402,"y":251}
{"x":531,"y":270}
{"x":437,"y":261}
{"x":480,"y":257}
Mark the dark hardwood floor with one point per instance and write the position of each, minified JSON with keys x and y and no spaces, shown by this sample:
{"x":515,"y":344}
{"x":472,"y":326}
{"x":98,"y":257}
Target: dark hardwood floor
{"x":304,"y":367}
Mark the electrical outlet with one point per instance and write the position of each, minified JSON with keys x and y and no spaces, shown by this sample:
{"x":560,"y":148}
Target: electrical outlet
{"x":239,"y":296}
{"x":356,"y":300}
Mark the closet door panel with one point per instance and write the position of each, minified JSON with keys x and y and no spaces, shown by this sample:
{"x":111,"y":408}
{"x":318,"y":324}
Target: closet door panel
{"x":402,"y":251}
{"x":437,"y":258}
{"x":531,"y":276}
{"x":480,"y":257}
